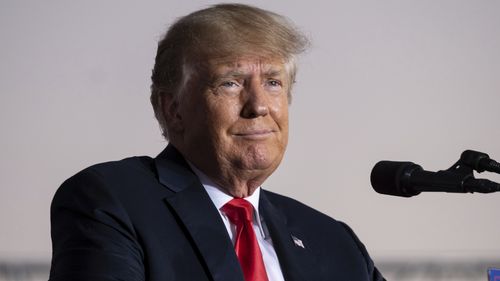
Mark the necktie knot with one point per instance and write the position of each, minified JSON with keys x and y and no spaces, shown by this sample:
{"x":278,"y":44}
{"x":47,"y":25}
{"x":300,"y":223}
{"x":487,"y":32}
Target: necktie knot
{"x":238,"y":210}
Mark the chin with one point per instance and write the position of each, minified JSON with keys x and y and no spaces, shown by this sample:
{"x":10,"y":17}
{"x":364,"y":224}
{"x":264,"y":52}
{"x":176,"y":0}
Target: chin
{"x":261,"y":159}
{"x":258,"y":165}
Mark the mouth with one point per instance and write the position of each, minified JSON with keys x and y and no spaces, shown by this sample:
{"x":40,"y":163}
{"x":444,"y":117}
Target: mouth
{"x":255,"y":134}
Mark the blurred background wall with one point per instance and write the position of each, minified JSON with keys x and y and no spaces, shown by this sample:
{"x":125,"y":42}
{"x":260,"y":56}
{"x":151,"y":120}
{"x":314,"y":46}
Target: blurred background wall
{"x":397,"y":80}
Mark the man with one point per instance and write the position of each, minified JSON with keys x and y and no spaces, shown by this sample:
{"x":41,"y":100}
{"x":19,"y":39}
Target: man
{"x":221,"y":88}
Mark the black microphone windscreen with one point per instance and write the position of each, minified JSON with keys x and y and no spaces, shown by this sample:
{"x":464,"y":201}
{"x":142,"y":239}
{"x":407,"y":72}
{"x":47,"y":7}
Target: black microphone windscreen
{"x":387,"y":176}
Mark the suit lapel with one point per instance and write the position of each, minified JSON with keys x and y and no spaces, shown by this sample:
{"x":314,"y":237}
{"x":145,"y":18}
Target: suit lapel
{"x":201,"y":219}
{"x":296,"y":259}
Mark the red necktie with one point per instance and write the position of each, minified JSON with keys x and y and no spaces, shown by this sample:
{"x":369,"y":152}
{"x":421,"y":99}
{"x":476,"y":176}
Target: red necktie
{"x":240,"y":213}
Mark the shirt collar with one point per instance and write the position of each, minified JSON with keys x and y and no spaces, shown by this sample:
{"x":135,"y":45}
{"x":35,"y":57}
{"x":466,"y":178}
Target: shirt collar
{"x":220,"y":198}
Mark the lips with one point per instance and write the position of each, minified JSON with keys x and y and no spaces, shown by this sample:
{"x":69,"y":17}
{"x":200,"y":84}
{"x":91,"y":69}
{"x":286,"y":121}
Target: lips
{"x":255,"y":134}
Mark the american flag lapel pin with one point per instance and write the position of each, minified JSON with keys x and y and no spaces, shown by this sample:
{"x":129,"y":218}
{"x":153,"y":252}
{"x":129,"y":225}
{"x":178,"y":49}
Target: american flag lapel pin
{"x":298,"y":242}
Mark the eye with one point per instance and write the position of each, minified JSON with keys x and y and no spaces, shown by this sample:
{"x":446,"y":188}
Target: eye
{"x":273,"y":85}
{"x":229,"y":84}
{"x":229,"y":87}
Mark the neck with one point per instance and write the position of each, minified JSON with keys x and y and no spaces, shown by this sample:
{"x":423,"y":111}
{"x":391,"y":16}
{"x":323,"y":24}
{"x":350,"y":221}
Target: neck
{"x":233,"y":184}
{"x":237,"y":187}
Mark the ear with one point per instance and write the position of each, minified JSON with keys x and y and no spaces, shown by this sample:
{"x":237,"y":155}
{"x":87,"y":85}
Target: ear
{"x":170,"y":107}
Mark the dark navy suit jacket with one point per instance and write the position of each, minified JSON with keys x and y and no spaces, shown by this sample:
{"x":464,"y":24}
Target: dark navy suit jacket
{"x":151,"y":219}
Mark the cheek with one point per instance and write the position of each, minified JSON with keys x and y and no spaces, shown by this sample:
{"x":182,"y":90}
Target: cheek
{"x":279,"y":109}
{"x":223,"y":112}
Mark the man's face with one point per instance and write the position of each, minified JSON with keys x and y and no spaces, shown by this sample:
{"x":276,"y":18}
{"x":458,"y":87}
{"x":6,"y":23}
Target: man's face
{"x":238,"y":121}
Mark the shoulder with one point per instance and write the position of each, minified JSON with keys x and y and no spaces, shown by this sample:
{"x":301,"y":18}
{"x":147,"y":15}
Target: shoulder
{"x":298,"y":213}
{"x":120,"y":170}
{"x":295,"y":210}
{"x":106,"y":180}
{"x":328,"y":236}
{"x":125,"y":168}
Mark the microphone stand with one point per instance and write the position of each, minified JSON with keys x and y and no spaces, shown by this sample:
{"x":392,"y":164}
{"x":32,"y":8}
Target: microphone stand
{"x":469,"y":161}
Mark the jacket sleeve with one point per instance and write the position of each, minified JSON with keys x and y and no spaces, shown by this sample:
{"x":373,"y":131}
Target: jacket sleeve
{"x":374,"y":273}
{"x":92,"y":235}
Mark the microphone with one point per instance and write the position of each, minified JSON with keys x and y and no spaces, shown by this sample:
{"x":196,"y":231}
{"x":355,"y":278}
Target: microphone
{"x":408,"y":179}
{"x":479,"y":161}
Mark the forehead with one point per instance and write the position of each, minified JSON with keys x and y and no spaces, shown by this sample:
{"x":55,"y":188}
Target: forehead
{"x":247,"y":66}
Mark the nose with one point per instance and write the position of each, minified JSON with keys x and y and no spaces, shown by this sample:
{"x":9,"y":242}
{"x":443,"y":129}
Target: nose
{"x":256,"y":102}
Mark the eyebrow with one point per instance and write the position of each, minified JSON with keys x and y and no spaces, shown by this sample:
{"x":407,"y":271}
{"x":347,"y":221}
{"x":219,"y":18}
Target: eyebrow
{"x":239,"y":73}
{"x":273,"y":72}
{"x":232,"y":73}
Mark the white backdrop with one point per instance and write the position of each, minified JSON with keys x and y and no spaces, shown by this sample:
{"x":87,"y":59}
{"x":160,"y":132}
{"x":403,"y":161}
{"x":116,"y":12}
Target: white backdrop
{"x":399,"y":80}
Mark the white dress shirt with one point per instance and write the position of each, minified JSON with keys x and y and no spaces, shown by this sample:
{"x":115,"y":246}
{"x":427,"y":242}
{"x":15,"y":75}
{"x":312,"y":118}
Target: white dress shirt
{"x":219,"y":198}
